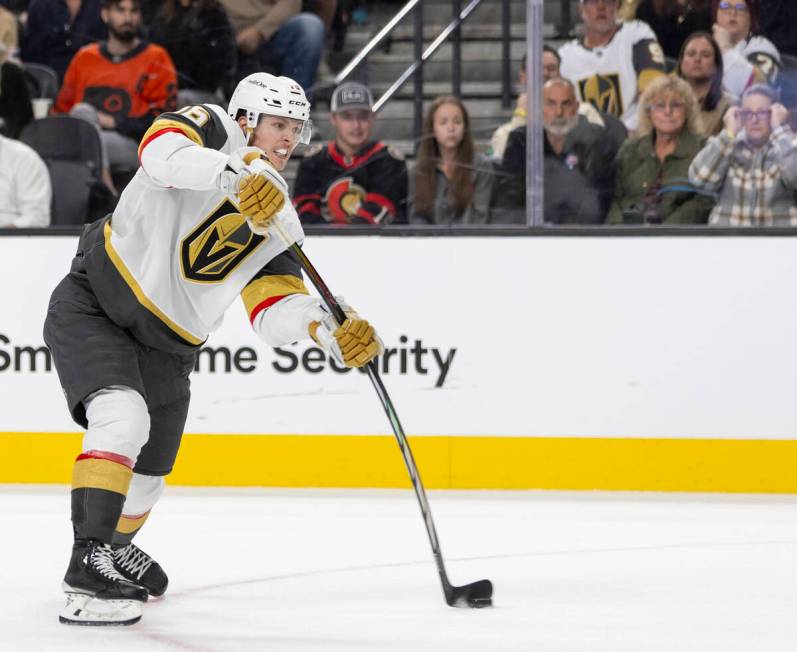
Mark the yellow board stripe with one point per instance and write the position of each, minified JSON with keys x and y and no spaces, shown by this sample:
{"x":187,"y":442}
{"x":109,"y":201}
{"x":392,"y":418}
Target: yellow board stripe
{"x":266,"y":287}
{"x":160,"y":125}
{"x":127,"y":525}
{"x":746,"y":466}
{"x":101,"y":474}
{"x":143,"y":299}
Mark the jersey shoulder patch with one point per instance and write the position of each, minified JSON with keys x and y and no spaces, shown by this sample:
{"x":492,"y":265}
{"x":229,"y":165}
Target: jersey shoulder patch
{"x":199,"y":123}
{"x":395,"y":152}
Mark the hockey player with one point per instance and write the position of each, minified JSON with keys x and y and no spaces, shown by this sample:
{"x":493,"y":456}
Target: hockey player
{"x":207,"y":217}
{"x":614,"y":62}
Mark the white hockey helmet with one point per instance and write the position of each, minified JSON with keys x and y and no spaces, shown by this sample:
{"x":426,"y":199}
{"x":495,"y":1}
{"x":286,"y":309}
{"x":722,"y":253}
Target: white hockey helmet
{"x":263,"y":94}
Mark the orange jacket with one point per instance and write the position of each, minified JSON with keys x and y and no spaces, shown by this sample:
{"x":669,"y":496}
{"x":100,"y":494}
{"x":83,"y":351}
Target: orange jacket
{"x":134,"y":88}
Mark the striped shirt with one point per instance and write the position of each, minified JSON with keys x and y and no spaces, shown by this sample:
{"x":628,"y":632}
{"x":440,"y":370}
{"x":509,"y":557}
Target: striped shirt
{"x":755,"y":186}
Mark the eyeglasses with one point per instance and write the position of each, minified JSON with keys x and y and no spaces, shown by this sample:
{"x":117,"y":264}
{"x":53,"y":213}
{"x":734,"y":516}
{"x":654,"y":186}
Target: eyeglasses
{"x":760,"y":116}
{"x":664,"y":106}
{"x":741,"y":7}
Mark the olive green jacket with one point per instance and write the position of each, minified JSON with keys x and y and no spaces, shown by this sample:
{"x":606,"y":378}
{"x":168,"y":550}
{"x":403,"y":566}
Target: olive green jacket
{"x":638,"y":167}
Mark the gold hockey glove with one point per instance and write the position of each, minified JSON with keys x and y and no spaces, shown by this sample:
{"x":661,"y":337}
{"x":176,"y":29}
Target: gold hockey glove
{"x":354,"y":343}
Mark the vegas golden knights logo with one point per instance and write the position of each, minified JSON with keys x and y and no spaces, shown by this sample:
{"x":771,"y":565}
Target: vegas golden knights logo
{"x":217,"y":246}
{"x":603,"y":92}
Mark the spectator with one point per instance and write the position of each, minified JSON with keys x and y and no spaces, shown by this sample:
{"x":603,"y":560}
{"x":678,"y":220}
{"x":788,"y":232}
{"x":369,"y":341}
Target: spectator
{"x":16,"y":109}
{"x":673,"y":20}
{"x":576,"y":169}
{"x":121,"y":85}
{"x":451,"y":183}
{"x":752,"y":164}
{"x":198,"y":36}
{"x":55,"y":30}
{"x":25,"y":192}
{"x":779,"y":23}
{"x":550,"y":69}
{"x":614,"y":62}
{"x":748,"y":59}
{"x":700,"y":65}
{"x":352,"y":179}
{"x":651,"y":184}
{"x":627,"y":9}
{"x":274,"y":34}
{"x":9,"y":29}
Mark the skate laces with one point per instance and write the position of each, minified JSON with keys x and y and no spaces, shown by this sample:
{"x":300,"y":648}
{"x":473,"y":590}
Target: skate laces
{"x":133,"y":560}
{"x":101,"y":560}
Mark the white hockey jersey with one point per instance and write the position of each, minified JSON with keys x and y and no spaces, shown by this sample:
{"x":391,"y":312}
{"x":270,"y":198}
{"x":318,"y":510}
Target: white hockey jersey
{"x":750,"y":61}
{"x":612,"y":76}
{"x":180,"y":244}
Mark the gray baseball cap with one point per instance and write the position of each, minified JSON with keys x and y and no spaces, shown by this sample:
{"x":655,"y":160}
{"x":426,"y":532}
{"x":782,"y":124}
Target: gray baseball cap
{"x":351,"y":95}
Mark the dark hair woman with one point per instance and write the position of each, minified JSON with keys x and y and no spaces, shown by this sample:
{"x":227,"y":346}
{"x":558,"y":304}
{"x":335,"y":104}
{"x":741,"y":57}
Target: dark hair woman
{"x":700,"y":65}
{"x":451,"y":183}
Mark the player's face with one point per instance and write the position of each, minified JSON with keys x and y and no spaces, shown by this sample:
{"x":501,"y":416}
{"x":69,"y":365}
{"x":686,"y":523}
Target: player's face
{"x":559,"y":108}
{"x":668,"y":114}
{"x":698,"y":60}
{"x":734,"y":15}
{"x":449,"y":126}
{"x":599,"y":16}
{"x":550,"y":66}
{"x":756,"y":118}
{"x":277,"y":137}
{"x":353,"y":127}
{"x":123,"y":20}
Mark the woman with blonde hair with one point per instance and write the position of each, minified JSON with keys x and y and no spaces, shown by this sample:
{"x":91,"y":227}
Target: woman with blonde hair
{"x":652,"y":170}
{"x":451,"y":184}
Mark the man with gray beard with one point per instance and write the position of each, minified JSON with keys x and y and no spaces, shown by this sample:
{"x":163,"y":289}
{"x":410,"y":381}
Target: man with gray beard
{"x":578,"y":170}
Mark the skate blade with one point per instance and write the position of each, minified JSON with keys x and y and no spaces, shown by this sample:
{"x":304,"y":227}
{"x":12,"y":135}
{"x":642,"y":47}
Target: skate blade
{"x":84,"y":609}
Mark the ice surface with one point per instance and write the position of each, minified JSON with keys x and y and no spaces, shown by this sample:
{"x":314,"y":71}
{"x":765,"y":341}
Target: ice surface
{"x":352,"y":571}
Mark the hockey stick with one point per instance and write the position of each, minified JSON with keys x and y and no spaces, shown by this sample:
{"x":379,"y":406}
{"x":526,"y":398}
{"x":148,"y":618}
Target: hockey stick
{"x":478,"y":594}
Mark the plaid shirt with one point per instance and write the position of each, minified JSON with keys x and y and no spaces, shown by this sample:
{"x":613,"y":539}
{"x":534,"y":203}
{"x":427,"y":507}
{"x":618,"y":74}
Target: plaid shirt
{"x":755,"y":186}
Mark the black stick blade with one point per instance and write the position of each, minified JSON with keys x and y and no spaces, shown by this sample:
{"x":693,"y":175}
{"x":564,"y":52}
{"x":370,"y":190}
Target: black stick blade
{"x":476,"y":595}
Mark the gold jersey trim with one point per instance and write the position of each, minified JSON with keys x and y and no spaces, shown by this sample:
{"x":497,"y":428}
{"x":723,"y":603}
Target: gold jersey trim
{"x":143,"y":299}
{"x":165,"y":123}
{"x":267,"y":287}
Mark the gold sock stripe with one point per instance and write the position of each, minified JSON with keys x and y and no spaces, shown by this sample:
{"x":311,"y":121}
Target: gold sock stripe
{"x":130,"y":524}
{"x":95,"y":473}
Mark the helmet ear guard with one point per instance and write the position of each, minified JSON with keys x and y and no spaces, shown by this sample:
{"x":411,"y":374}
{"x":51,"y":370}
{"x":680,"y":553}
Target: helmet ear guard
{"x":263,"y":94}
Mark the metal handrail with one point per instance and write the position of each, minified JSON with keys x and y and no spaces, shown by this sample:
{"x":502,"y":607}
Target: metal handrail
{"x":428,"y":52}
{"x":375,"y":41}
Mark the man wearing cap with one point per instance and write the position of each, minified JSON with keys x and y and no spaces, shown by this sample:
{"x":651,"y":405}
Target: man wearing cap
{"x":352,"y":179}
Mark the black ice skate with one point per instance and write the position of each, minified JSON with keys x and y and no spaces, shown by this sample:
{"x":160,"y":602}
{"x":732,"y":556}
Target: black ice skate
{"x":137,"y":566}
{"x":97,"y":594}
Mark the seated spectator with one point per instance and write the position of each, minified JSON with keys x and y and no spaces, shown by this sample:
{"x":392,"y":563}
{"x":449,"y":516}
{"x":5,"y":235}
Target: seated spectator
{"x":121,"y":85}
{"x":451,"y":183}
{"x":700,"y":65}
{"x":550,"y":69}
{"x":651,"y":181}
{"x":752,"y":164}
{"x":352,"y":179}
{"x":577,"y":168}
{"x":16,"y":109}
{"x":747,"y":57}
{"x":198,"y":37}
{"x":25,"y":191}
{"x":673,"y":20}
{"x":273,"y":34}
{"x":614,"y":62}
{"x":55,"y":30}
{"x":779,"y":23}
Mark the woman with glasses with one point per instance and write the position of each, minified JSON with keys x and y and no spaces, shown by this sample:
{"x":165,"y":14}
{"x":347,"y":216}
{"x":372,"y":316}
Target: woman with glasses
{"x":651,"y":182}
{"x":752,"y":164}
{"x":748,"y":57}
{"x":700,"y":65}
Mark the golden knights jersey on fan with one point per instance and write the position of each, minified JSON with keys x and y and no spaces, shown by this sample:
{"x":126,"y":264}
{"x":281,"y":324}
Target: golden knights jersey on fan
{"x":371,"y":188}
{"x":611,"y":77}
{"x":177,"y":252}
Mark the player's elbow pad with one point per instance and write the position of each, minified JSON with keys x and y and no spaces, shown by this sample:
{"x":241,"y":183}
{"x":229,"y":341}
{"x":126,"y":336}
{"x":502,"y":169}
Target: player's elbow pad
{"x":288,"y":320}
